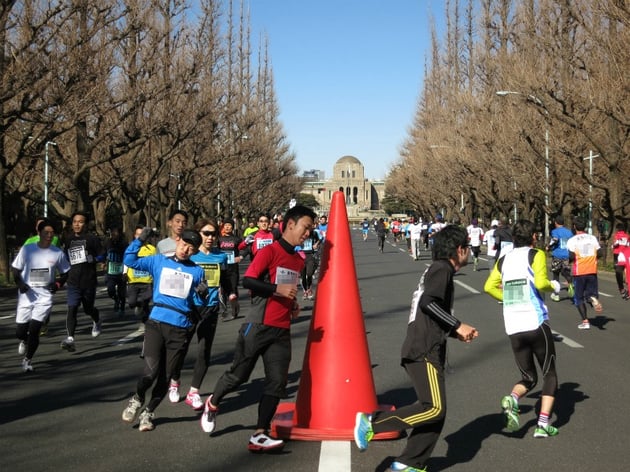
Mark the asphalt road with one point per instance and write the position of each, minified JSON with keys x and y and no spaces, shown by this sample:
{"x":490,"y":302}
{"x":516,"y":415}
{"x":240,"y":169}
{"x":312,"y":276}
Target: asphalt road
{"x":66,"y":414}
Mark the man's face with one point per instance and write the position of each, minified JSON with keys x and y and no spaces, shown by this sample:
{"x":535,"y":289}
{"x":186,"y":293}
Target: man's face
{"x":227,"y":228}
{"x":79,"y":224}
{"x":263,"y":223}
{"x":46,"y":236}
{"x":323,"y":220}
{"x":297,"y":232}
{"x":184,"y":250}
{"x":177,"y":224}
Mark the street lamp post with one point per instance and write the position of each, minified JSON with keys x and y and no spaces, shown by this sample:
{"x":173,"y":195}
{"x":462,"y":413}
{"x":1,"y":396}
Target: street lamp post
{"x":590,"y":158}
{"x":179,"y":189}
{"x":538,"y":102}
{"x":46,"y":176}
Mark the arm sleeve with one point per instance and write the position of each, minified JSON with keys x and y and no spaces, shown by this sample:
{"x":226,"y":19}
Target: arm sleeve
{"x":493,"y":285}
{"x":539,"y":266}
{"x":260,"y":287}
{"x":443,"y":317}
{"x":429,"y":303}
{"x":253,"y":275}
{"x":131,"y":258}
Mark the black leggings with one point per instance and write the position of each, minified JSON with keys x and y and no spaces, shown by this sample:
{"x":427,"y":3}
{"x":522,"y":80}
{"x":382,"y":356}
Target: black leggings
{"x":537,"y":344}
{"x":206,"y":330}
{"x":307,"y":272}
{"x":164,"y":347}
{"x":29,"y":333}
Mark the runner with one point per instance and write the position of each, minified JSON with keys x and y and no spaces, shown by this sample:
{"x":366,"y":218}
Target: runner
{"x":517,"y":279}
{"x":272,"y":277}
{"x":34,"y":270}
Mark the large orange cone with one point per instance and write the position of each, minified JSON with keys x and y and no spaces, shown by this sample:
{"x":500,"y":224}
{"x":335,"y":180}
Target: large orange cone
{"x":336,"y":379}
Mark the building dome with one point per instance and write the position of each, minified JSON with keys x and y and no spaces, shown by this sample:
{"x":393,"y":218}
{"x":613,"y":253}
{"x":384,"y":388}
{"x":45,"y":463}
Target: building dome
{"x":349,"y":160}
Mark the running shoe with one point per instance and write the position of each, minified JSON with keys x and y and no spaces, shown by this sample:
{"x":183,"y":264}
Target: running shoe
{"x":26,"y":365}
{"x":146,"y":421}
{"x":262,"y":442}
{"x":584,"y":325}
{"x":555,"y":297}
{"x":173,"y":392}
{"x":44,"y":330}
{"x":209,"y":417}
{"x":400,"y":467}
{"x":624,"y":294}
{"x":194,"y":401}
{"x":571,"y":290}
{"x":129,"y":414}
{"x":22,"y":348}
{"x":545,"y":431}
{"x":597,"y":306}
{"x":363,"y":432}
{"x":510,"y":410}
{"x":68,"y":344}
{"x":96,"y":329}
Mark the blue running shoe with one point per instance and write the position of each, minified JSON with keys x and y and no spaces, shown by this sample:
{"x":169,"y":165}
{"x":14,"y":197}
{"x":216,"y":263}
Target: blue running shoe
{"x":363,"y":433}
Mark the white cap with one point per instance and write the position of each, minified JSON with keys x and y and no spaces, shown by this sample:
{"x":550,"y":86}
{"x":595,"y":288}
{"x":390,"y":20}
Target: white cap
{"x":494,"y":223}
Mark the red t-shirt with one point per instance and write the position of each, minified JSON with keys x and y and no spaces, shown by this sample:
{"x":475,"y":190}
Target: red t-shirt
{"x":274,"y":264}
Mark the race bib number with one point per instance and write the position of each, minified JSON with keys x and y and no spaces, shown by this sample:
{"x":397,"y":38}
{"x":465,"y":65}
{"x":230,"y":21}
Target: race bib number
{"x":287,"y":276}
{"x":140,"y":273}
{"x":308,"y":245}
{"x":77,"y":255}
{"x":39,"y":277}
{"x":230,"y":257}
{"x":261,"y":243}
{"x":212,"y":273}
{"x":175,"y":283}
{"x":114,"y":268}
{"x":587,"y":250}
{"x":515,"y":292}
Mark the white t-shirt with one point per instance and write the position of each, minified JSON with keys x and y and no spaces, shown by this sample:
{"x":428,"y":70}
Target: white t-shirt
{"x":415,"y":230}
{"x":475,"y":235}
{"x":489,"y":240}
{"x":38,"y":267}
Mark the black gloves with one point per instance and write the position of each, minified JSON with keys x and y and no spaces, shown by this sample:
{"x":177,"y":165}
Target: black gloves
{"x":145,"y":235}
{"x":53,"y":287}
{"x":202,"y":289}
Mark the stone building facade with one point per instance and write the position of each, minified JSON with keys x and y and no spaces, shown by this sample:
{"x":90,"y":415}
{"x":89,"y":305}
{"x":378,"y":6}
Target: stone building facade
{"x":362,"y":196}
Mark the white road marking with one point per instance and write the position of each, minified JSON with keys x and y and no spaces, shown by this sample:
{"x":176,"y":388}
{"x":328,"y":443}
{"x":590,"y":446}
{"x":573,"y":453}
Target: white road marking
{"x":568,"y":341}
{"x":467,"y":287}
{"x":130,"y":337}
{"x":334,"y":456}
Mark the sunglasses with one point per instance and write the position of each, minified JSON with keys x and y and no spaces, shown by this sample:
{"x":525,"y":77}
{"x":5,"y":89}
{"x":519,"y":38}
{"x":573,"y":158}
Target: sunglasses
{"x":209,"y":233}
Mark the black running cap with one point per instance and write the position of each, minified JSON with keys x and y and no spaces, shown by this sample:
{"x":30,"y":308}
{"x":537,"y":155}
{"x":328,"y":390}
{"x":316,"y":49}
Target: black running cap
{"x":191,"y":237}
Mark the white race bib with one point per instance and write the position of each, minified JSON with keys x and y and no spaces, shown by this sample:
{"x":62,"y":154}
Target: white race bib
{"x":286,"y":276}
{"x":175,"y":283}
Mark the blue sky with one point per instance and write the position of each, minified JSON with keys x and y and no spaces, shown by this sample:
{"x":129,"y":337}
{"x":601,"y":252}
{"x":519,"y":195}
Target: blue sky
{"x":348,"y":74}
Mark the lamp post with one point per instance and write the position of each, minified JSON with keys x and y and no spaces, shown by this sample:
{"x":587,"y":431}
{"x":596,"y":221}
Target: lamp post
{"x":179,"y":188}
{"x":48,"y":143}
{"x":538,"y":102}
{"x":590,"y":158}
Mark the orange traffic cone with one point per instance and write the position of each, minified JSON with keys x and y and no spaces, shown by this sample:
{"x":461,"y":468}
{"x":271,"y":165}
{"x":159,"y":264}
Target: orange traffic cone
{"x":336,"y":379}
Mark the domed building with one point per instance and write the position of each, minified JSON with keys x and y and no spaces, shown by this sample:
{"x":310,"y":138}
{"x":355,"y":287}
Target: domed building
{"x":361,"y":194}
